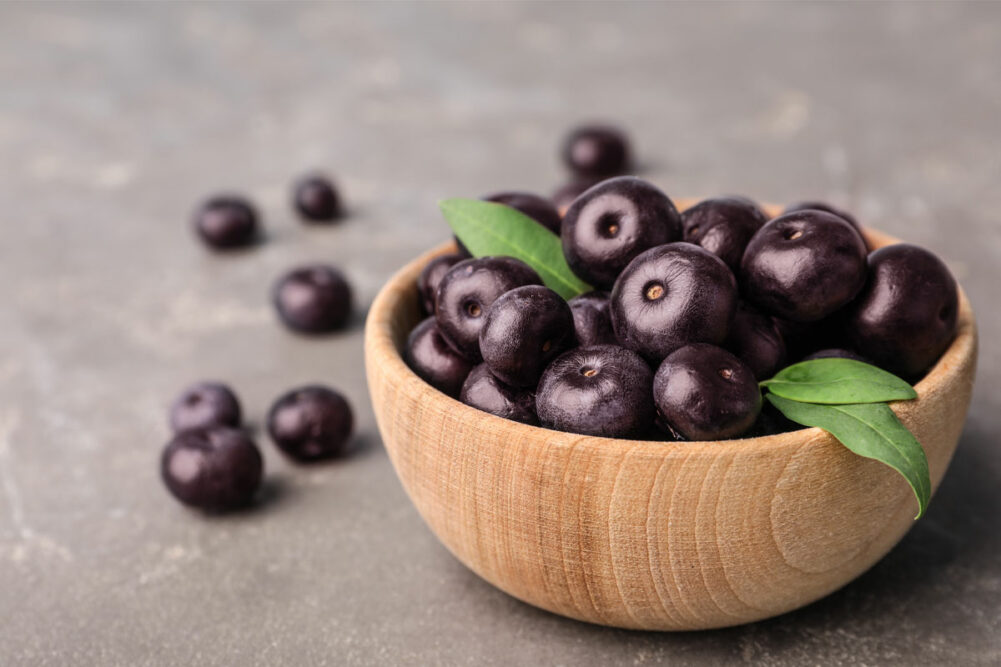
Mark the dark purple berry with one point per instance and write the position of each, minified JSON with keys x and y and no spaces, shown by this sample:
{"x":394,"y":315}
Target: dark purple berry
{"x":217,"y":468}
{"x":596,"y":150}
{"x":468,"y":289}
{"x":602,"y":390}
{"x":313,"y":299}
{"x":203,"y":405}
{"x":311,"y":423}
{"x":703,"y":392}
{"x":804,"y":266}
{"x":723,"y":226}
{"x":430,"y":278}
{"x":756,"y":340}
{"x":434,"y":360}
{"x":670,"y":296}
{"x":226,"y":222}
{"x":483,"y":391}
{"x":525,"y":329}
{"x":905,"y":317}
{"x":592,"y":320}
{"x":613,"y":222}
{"x":316,"y":199}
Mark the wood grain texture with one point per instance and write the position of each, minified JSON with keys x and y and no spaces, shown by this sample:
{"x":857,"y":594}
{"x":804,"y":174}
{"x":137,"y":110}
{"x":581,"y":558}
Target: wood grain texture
{"x":650,"y":535}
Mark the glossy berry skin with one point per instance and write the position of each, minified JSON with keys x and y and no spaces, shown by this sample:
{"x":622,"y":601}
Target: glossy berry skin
{"x":204,"y":405}
{"x":602,"y":390}
{"x":316,"y":199}
{"x":537,"y":208}
{"x":703,"y":392}
{"x":906,"y":316}
{"x":311,"y":423}
{"x":592,"y":320}
{"x":591,"y":151}
{"x":214,"y":469}
{"x":755,"y":339}
{"x":313,"y":299}
{"x":483,"y":391}
{"x":430,"y":278}
{"x":723,"y":226}
{"x":613,"y":222}
{"x":226,"y":222}
{"x":524,"y":330}
{"x":468,"y":289}
{"x":670,"y":296}
{"x":803,"y":266}
{"x":434,"y":360}
{"x":821,"y":206}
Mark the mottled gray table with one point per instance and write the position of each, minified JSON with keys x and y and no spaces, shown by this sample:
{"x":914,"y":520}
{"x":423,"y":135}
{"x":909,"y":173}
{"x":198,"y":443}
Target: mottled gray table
{"x":116,"y":119}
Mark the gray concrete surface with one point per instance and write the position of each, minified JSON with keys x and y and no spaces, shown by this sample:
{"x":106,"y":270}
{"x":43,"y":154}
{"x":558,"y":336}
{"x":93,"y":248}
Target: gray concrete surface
{"x":116,"y":119}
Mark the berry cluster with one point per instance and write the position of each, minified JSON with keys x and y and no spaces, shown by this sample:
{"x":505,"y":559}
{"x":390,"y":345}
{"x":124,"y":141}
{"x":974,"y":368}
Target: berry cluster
{"x":212,"y":462}
{"x":691,"y":311}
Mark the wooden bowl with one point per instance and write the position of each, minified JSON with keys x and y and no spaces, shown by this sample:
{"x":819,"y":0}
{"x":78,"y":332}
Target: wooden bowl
{"x":650,"y":535}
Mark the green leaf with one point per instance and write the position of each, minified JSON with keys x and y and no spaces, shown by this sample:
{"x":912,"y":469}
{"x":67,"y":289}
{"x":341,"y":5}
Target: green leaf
{"x":488,"y":228}
{"x":871,"y":430}
{"x":838,"y":381}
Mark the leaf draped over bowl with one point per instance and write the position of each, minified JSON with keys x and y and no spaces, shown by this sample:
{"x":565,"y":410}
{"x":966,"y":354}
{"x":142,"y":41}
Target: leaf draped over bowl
{"x":489,"y":228}
{"x":871,"y":430}
{"x":838,"y":381}
{"x":848,"y":399}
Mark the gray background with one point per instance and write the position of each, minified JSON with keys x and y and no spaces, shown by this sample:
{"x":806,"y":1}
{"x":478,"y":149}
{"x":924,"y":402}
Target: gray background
{"x":116,"y":119}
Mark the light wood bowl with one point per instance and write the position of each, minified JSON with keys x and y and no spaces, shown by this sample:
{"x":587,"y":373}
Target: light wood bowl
{"x":650,"y":535}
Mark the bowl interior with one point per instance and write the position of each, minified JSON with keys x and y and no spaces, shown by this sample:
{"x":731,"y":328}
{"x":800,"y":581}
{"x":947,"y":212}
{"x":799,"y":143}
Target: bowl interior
{"x":406,"y":314}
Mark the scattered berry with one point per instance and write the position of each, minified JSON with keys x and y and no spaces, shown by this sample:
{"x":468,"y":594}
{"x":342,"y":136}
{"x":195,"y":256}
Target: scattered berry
{"x":316,"y":199}
{"x":313,"y":299}
{"x":311,"y":423}
{"x":217,"y":468}
{"x":593,"y":151}
{"x":203,"y":405}
{"x":226,"y":222}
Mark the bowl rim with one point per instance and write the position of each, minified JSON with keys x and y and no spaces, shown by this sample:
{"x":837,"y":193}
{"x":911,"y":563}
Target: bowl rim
{"x":382,"y":349}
